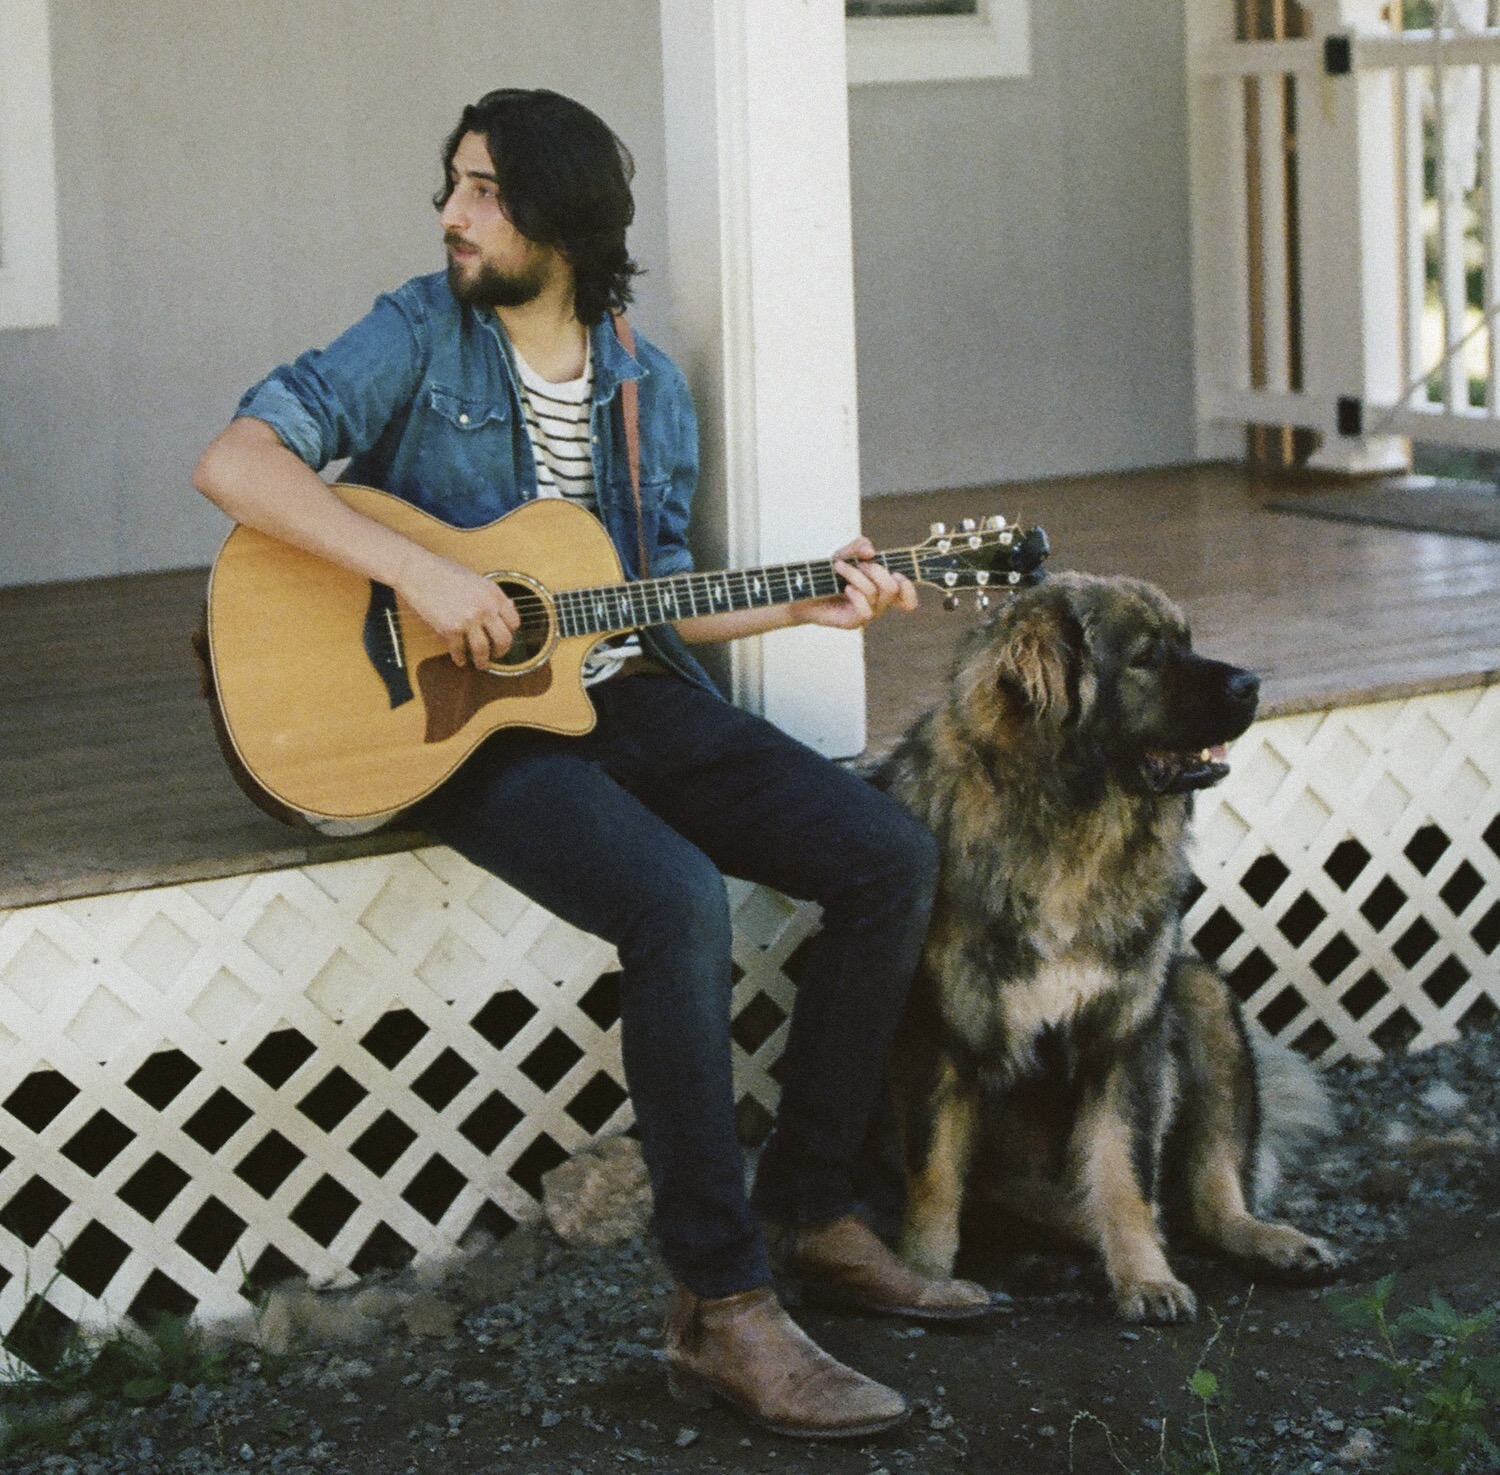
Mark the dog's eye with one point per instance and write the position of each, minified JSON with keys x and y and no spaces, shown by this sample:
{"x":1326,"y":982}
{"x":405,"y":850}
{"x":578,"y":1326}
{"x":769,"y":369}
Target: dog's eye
{"x":1147,"y":657}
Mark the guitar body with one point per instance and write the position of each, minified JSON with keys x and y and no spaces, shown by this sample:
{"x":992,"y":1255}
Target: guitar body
{"x":343,"y":703}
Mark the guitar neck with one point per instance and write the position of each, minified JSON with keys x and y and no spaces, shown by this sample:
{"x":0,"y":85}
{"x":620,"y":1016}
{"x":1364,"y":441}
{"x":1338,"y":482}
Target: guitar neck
{"x":612,"y":608}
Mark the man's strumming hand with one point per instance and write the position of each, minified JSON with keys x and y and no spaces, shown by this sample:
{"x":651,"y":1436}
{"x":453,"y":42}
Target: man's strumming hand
{"x":471,"y":614}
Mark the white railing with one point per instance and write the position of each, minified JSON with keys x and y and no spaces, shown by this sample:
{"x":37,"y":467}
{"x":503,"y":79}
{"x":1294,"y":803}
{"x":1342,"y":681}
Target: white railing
{"x":1347,"y":229}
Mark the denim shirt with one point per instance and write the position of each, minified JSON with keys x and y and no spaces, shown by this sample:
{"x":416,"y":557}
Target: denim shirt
{"x":422,"y":396}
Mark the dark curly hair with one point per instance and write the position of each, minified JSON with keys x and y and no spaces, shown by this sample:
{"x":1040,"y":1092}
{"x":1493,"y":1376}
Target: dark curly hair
{"x":565,"y":182}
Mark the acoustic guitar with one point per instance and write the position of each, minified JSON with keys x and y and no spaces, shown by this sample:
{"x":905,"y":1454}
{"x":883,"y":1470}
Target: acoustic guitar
{"x":343,"y":704}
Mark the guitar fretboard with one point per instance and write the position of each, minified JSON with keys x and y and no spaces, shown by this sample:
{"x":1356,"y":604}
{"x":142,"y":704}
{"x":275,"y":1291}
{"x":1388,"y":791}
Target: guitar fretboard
{"x":615,"y":607}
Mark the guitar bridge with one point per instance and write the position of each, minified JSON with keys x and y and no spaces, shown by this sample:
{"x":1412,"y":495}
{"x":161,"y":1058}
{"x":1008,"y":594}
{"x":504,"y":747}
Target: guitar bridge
{"x":383,"y":644}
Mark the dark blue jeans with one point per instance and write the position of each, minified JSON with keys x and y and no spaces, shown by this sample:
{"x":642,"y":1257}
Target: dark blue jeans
{"x":628,"y":833}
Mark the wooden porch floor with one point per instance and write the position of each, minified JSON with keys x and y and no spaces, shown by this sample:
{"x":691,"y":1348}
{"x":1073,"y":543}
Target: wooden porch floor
{"x":110,"y":778}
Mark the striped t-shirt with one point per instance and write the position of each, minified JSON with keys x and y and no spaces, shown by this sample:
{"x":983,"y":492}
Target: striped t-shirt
{"x":557,"y":419}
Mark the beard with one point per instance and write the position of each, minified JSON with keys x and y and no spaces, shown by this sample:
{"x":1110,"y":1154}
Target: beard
{"x":489,"y":287}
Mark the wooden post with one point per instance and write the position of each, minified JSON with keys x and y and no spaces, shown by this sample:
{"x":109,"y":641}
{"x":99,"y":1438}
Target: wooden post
{"x":761,"y":281}
{"x":1227,"y":319}
{"x":1351,"y":268}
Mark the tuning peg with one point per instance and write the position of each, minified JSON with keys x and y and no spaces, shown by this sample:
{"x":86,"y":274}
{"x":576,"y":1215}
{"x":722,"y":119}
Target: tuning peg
{"x":993,"y":524}
{"x":981,"y":602}
{"x":968,"y":525}
{"x":938,"y":529}
{"x":950,"y":601}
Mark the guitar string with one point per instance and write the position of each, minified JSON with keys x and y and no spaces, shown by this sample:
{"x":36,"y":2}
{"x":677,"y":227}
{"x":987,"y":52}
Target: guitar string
{"x":688,"y":587}
{"x":576,"y":606}
{"x":587,"y":612}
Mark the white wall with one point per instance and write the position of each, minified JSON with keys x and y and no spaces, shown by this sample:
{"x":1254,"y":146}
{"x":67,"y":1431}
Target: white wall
{"x":237,"y":180}
{"x":1021,"y":259}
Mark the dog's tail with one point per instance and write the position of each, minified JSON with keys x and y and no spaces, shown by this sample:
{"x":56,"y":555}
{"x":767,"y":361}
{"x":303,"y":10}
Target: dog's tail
{"x":1296,"y":1110}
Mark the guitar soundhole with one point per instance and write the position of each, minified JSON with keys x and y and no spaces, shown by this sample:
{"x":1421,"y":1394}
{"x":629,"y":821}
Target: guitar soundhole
{"x":535,"y":635}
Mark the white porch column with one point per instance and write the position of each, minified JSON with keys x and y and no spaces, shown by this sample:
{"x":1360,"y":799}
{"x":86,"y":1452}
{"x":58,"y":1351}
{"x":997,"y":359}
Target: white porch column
{"x":762,"y":294}
{"x":1221,"y":271}
{"x":1351,"y":286}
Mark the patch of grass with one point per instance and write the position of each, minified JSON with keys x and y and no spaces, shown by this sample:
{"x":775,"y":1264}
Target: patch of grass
{"x":1455,"y":463}
{"x":1445,"y":1417}
{"x":56,"y":1382}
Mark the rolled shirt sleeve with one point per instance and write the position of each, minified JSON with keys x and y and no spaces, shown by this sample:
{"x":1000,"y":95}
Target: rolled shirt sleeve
{"x":337,"y":401}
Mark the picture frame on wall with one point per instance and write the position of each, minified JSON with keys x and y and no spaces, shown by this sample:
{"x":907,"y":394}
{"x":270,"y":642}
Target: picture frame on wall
{"x":937,"y":40}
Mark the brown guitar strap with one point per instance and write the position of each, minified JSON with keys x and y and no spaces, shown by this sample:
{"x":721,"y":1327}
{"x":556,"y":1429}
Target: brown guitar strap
{"x":630,"y":406}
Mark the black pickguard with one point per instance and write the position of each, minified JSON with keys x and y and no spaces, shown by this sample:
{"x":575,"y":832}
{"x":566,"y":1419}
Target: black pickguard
{"x":383,"y":644}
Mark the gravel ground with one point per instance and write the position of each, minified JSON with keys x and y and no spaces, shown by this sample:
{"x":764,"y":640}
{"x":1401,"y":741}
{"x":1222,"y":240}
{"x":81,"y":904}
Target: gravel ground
{"x":529,"y":1356}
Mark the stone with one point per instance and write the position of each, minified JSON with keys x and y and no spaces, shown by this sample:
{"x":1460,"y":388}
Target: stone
{"x":599,"y":1197}
{"x":1442,"y":1100}
{"x":427,"y":1315}
{"x":1386,"y":1184}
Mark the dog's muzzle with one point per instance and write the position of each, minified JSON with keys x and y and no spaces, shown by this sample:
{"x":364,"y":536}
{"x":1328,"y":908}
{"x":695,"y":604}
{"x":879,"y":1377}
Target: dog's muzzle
{"x":1226,"y":699}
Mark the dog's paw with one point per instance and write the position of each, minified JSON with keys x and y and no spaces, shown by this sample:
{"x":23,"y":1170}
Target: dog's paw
{"x":1156,"y":1300}
{"x":1294,"y":1253}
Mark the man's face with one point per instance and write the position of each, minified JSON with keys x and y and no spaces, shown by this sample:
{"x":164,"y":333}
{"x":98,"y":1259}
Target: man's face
{"x":490,"y":263}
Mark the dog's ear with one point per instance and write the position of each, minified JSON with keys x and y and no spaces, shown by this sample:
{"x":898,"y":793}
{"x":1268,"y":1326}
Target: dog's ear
{"x":1040,"y":647}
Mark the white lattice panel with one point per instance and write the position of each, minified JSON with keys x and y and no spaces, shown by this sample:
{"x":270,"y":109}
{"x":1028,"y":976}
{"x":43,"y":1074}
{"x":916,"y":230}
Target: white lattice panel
{"x":206,"y":1088}
{"x":1351,"y":866}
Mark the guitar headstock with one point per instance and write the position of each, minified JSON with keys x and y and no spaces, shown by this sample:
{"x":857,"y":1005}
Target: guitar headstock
{"x":988,"y":556}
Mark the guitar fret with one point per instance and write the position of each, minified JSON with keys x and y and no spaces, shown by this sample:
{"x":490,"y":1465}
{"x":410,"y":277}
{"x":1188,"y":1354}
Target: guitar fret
{"x":635,"y":605}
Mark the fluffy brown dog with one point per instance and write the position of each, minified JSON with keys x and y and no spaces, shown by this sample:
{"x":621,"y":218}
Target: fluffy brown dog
{"x":1061,"y":1050}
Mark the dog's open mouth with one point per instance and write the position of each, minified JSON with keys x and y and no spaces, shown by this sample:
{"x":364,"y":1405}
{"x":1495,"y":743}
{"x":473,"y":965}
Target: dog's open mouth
{"x":1179,"y":773}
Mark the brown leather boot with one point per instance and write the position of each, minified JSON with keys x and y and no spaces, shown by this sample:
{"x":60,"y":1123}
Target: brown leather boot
{"x":845,"y":1264}
{"x":746,"y":1351}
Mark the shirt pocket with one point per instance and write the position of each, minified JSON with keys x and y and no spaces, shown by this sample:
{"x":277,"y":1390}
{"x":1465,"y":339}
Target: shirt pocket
{"x":463,"y":412}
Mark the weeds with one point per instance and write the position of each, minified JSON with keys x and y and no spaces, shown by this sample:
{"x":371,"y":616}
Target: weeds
{"x":57,"y":1381}
{"x":1432,"y":1362}
{"x":1197,"y":1445}
{"x":1442,"y":1421}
